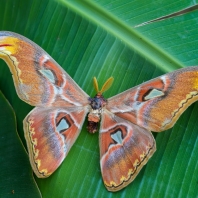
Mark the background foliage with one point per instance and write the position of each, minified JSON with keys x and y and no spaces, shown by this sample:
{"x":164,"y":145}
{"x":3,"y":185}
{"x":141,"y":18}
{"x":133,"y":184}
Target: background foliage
{"x":101,"y":38}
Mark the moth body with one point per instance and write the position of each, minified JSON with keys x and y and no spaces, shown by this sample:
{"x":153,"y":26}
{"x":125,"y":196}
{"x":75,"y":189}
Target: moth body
{"x":97,"y":103}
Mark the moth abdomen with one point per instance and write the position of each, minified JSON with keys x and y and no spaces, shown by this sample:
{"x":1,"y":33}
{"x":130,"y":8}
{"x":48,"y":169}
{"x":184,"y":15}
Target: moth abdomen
{"x":92,"y":127}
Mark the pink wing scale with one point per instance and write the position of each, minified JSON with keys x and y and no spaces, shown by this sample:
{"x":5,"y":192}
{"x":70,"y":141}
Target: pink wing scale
{"x":124,"y":149}
{"x":157,"y":104}
{"x":38,"y":79}
{"x":50,"y":129}
{"x":50,"y":133}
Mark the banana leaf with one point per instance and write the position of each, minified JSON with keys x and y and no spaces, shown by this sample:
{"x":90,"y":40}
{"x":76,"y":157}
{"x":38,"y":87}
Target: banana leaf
{"x":133,"y":41}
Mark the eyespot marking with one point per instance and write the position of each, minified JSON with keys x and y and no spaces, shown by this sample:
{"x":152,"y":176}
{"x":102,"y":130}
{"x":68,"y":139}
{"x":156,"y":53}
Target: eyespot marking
{"x":48,"y":74}
{"x":62,"y":125}
{"x":117,"y":136}
{"x":153,"y":94}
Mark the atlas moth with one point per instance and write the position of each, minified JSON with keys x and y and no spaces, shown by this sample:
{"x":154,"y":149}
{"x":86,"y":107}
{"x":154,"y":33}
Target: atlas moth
{"x":127,"y":119}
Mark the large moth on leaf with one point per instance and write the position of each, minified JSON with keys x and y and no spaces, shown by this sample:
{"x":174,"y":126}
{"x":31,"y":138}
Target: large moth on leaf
{"x":127,"y":119}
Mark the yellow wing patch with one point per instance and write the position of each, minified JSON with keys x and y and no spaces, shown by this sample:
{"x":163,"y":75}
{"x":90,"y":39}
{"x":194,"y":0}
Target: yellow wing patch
{"x":9,"y":45}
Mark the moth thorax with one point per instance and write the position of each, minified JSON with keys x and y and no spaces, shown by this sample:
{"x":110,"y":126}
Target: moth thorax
{"x":98,"y":101}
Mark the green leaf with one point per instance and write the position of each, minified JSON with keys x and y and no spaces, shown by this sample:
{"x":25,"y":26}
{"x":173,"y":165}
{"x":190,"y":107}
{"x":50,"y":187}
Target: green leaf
{"x":103,"y":39}
{"x":15,"y":176}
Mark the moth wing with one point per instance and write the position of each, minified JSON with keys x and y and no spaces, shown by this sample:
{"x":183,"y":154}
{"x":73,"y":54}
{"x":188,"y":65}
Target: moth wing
{"x":157,"y":104}
{"x":124,"y":149}
{"x":50,"y":133}
{"x":38,"y":79}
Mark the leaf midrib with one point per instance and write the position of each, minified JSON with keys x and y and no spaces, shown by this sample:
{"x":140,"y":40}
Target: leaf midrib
{"x":128,"y":35}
